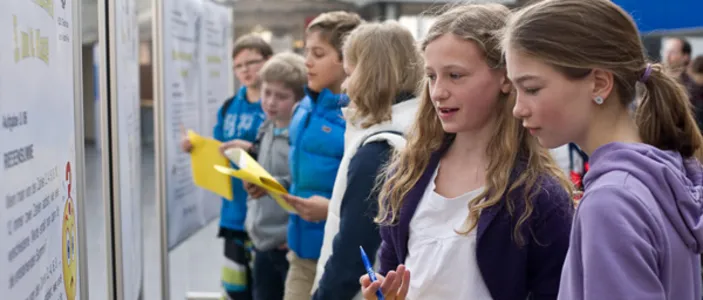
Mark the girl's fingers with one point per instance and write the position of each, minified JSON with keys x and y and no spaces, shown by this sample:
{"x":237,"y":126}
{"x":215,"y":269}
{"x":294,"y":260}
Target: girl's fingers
{"x":296,"y":202}
{"x":364,"y":281}
{"x":370,"y":291}
{"x":397,"y":281}
{"x":387,"y":286}
{"x":403,"y":292}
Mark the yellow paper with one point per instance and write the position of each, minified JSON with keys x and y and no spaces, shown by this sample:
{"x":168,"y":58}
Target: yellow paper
{"x":204,"y":155}
{"x":251,"y":171}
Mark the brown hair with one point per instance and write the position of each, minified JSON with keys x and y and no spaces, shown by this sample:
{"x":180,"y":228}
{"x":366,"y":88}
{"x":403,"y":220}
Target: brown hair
{"x":379,"y":76}
{"x":334,"y":27}
{"x":512,"y":145}
{"x":252,"y":42}
{"x":697,"y":65}
{"x":287,"y":68}
{"x":577,"y":36}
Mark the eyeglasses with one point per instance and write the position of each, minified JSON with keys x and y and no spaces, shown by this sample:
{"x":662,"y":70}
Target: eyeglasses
{"x":247,"y":64}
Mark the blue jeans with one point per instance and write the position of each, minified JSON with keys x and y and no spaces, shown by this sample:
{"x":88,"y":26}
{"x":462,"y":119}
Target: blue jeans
{"x":270,"y":269}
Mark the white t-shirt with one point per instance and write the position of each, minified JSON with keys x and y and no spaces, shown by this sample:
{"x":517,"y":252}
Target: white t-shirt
{"x":442,"y":262}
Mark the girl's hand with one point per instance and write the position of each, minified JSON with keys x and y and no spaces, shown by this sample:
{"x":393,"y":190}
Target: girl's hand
{"x":313,"y":209}
{"x":394,"y":286}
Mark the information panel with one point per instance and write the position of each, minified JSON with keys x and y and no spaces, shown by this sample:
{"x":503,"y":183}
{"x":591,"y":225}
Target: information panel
{"x":217,"y":77}
{"x":40,"y":176}
{"x":126,"y":42}
{"x":120,"y":110}
{"x":194,"y":83}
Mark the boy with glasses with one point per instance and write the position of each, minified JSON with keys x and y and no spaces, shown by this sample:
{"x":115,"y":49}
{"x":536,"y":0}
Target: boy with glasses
{"x":237,"y":125}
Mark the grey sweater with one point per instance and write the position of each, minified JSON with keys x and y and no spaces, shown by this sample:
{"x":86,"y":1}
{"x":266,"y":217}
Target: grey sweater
{"x":266,"y":222}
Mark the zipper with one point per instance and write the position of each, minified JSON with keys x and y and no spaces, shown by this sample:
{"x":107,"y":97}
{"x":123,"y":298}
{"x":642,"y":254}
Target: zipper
{"x":301,"y":131}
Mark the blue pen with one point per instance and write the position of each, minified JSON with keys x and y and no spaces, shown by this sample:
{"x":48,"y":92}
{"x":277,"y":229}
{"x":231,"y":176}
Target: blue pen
{"x":372,"y":274}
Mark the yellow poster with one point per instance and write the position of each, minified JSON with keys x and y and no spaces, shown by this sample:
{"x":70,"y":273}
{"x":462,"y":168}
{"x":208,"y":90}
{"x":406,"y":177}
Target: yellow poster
{"x":251,"y":171}
{"x":204,"y":155}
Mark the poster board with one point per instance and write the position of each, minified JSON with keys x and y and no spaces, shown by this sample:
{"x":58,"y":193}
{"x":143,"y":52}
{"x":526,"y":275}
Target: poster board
{"x":192,"y":78}
{"x":121,"y":146}
{"x":193,"y":64}
{"x":41,"y":177}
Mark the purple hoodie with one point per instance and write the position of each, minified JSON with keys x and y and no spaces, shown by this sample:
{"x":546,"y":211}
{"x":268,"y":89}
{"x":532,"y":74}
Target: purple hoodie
{"x":638,"y":231}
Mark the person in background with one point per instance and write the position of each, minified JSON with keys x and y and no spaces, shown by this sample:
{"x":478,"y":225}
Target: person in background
{"x":638,"y":230}
{"x":695,"y":88}
{"x":473,"y":206}
{"x":381,"y":87}
{"x":238,"y":122}
{"x":317,"y":144}
{"x":677,"y":57}
{"x":282,"y":80}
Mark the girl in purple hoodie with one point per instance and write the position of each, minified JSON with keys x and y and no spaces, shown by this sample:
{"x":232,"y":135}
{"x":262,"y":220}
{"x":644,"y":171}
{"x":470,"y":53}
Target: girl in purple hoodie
{"x":637,"y":233}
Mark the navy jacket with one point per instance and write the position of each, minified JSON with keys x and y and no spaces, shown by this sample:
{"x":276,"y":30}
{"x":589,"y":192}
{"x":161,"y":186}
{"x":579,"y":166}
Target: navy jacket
{"x":511,"y":272}
{"x":358,"y":211}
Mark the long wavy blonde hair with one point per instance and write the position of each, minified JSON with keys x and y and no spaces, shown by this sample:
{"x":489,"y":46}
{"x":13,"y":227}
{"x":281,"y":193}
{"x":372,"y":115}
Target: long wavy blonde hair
{"x":512,"y":145}
{"x":379,"y":76}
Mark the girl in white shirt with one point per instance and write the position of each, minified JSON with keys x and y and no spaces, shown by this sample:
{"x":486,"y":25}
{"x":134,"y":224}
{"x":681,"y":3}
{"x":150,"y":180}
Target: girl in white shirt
{"x":473,"y":206}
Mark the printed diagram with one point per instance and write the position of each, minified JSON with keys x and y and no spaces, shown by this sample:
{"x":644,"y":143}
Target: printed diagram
{"x":68,"y":241}
{"x":29,"y":43}
{"x":48,"y":5}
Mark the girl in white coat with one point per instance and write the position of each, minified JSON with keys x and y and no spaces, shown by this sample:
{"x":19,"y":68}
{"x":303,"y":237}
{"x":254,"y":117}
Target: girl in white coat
{"x":384,"y":69}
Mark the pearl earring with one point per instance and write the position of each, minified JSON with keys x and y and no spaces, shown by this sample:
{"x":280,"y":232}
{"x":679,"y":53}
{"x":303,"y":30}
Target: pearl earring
{"x":598,"y":100}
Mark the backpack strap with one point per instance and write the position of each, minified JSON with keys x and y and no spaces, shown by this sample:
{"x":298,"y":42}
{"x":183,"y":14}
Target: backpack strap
{"x":256,"y":144}
{"x":374,"y":137}
{"x":225,"y":107}
{"x":573,"y":148}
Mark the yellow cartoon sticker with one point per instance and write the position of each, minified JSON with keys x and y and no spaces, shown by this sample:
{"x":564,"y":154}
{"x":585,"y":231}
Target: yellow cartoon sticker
{"x":69,"y":241}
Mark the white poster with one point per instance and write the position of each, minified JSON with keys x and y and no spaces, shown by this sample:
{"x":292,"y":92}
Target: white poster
{"x":217,"y":62}
{"x":182,"y":71}
{"x":126,"y":41}
{"x":38,"y":212}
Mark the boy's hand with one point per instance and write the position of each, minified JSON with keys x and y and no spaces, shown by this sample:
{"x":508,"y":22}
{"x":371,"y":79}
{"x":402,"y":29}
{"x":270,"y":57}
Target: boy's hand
{"x":186,"y":145}
{"x":394,"y":286}
{"x":313,"y":209}
{"x":241,"y":144}
{"x":254,"y":190}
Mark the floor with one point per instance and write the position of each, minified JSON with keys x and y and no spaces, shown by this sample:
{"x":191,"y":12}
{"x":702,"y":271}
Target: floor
{"x":194,"y":265}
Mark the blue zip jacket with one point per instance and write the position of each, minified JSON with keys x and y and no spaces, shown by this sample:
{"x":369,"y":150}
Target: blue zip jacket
{"x":317,"y":146}
{"x":241,"y":120}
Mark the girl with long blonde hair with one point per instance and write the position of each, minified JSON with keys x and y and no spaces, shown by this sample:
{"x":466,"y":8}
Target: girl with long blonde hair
{"x":381,"y":87}
{"x":473,"y":205}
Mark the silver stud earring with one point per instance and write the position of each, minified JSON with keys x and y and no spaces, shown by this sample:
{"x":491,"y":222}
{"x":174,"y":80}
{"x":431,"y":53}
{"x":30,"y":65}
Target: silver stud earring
{"x":598,"y":100}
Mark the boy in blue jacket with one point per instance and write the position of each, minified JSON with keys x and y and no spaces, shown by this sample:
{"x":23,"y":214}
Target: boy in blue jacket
{"x":238,"y":122}
{"x":317,"y":146}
